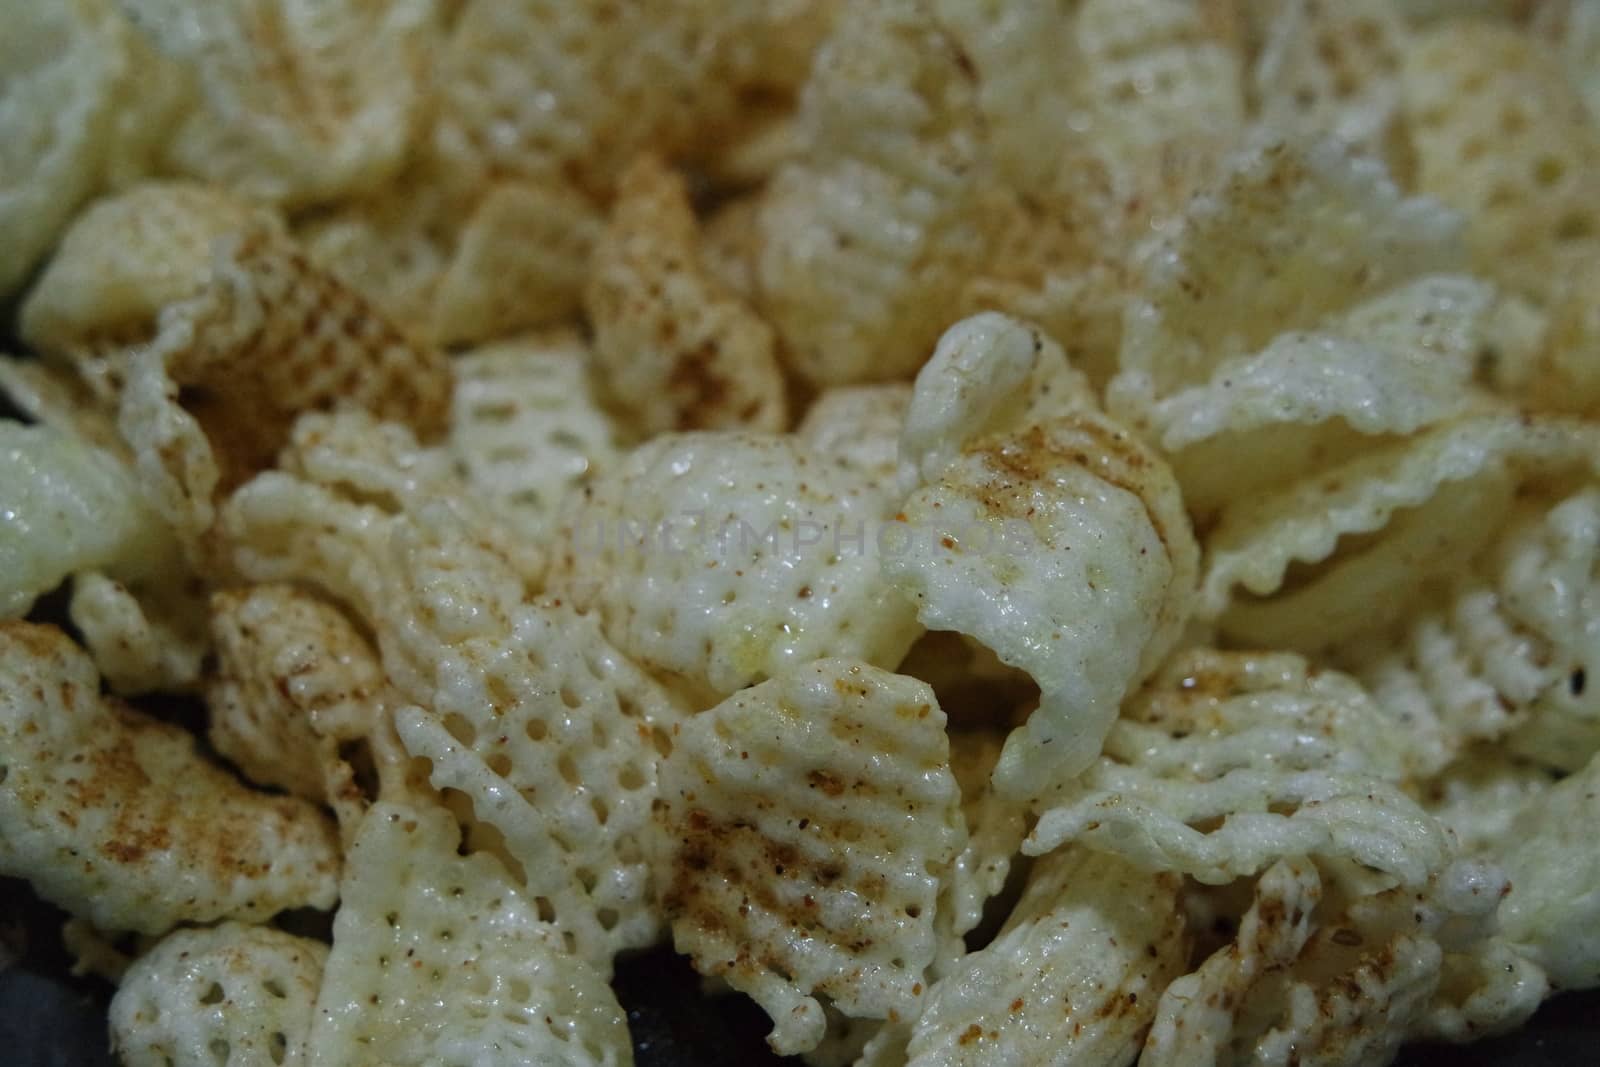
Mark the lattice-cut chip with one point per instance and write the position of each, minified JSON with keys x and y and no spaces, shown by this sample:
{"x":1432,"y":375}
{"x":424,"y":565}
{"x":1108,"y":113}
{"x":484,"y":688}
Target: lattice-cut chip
{"x":442,"y":958}
{"x":69,"y":507}
{"x":145,"y":635}
{"x":1329,"y":972}
{"x":815,"y":818}
{"x":122,"y":261}
{"x":1073,"y":976}
{"x":719,"y":559}
{"x":1063,"y":547}
{"x":676,"y":348}
{"x":1315,"y":555}
{"x":859,"y":426}
{"x":159,"y":835}
{"x":1548,"y":851}
{"x":1333,"y":70}
{"x":1159,"y":78}
{"x":241,"y":995}
{"x":1291,"y":760}
{"x":1573,"y":28}
{"x":294,"y":682}
{"x":1506,"y":650}
{"x":77,"y":93}
{"x":298,"y":101}
{"x":868,"y":239}
{"x":1477,"y":796}
{"x":1500,"y":134}
{"x":995,"y":829}
{"x":53,"y":395}
{"x":527,"y":427}
{"x":212,"y":399}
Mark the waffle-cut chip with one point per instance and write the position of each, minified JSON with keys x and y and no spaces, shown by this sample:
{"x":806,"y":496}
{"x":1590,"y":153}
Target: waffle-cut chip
{"x":294,"y":681}
{"x":297,"y":101}
{"x":720,"y":559}
{"x":1477,"y":796}
{"x":1288,"y":237}
{"x":988,"y":373}
{"x":858,"y":426}
{"x":527,"y":427}
{"x":146,"y":636}
{"x":1548,"y":851}
{"x":1389,"y":520}
{"x":242,"y":993}
{"x":677,"y":349}
{"x":123,"y":260}
{"x":1572,"y":27}
{"x":1228,"y":762}
{"x":868,"y":239}
{"x":1507,"y":651}
{"x":442,"y":958}
{"x":69,"y":507}
{"x":1063,"y":547}
{"x":815,"y":817}
{"x":1500,"y":134}
{"x":72,"y":95}
{"x":1160,"y":78}
{"x":1074,"y":975}
{"x":212,"y":399}
{"x":1333,"y":70}
{"x":995,"y":829}
{"x":1023,"y":54}
{"x":1325,"y":976}
{"x":159,"y":835}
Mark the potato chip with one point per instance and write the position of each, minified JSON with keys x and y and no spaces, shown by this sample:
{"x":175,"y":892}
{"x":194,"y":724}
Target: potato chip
{"x":995,"y":829}
{"x":866,"y":242}
{"x":160,"y":835}
{"x":1573,"y":28}
{"x":298,"y":102}
{"x":147,"y":636}
{"x":212,"y":399}
{"x":294,"y":681}
{"x":1333,"y":70}
{"x":858,"y":426}
{"x":676,"y":349}
{"x":441,"y":958}
{"x":1074,"y":975}
{"x":1500,"y":134}
{"x":720,"y":559}
{"x":1291,"y":760}
{"x":69,"y":508}
{"x":1563,"y":371}
{"x":1062,"y":546}
{"x":52,"y":395}
{"x":235,"y":994}
{"x":526,"y":425}
{"x":815,"y":817}
{"x":94,"y":952}
{"x":1477,"y":796}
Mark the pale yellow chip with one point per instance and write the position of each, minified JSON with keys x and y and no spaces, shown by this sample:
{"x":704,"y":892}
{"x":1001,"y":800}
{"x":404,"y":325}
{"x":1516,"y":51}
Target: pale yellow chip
{"x":145,"y":635}
{"x":1229,"y":762}
{"x":1573,"y":27}
{"x":814,"y":817}
{"x":1477,"y":796}
{"x":1073,"y":976}
{"x":1502,"y":135}
{"x":995,"y":829}
{"x":527,"y":427}
{"x":867,"y":239}
{"x":720,"y":559}
{"x":441,"y":958}
{"x":240,"y":995}
{"x":858,"y":426}
{"x":296,"y":101}
{"x":676,"y":349}
{"x":160,"y":835}
{"x":1562,"y":372}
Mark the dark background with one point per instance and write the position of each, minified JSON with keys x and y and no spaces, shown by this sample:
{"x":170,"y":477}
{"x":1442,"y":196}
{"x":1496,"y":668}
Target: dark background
{"x":49,"y":1019}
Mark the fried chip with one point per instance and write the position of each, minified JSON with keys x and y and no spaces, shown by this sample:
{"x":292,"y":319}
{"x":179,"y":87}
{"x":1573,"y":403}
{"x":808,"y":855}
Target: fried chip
{"x":145,"y":636}
{"x":858,"y":426}
{"x":995,"y":829}
{"x":69,"y":508}
{"x":676,"y":349}
{"x":241,"y":993}
{"x":1478,"y":795}
{"x":297,"y":101}
{"x":1563,"y":371}
{"x":1573,"y":28}
{"x":720,"y":559}
{"x":866,"y":241}
{"x":1291,"y":760}
{"x":1075,"y":973}
{"x":527,"y":427}
{"x":441,"y":958}
{"x":1501,"y":135}
{"x":815,"y":816}
{"x":160,"y":835}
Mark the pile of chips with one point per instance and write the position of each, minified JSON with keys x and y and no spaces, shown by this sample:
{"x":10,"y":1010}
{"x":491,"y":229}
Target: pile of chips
{"x":1007,"y":533}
